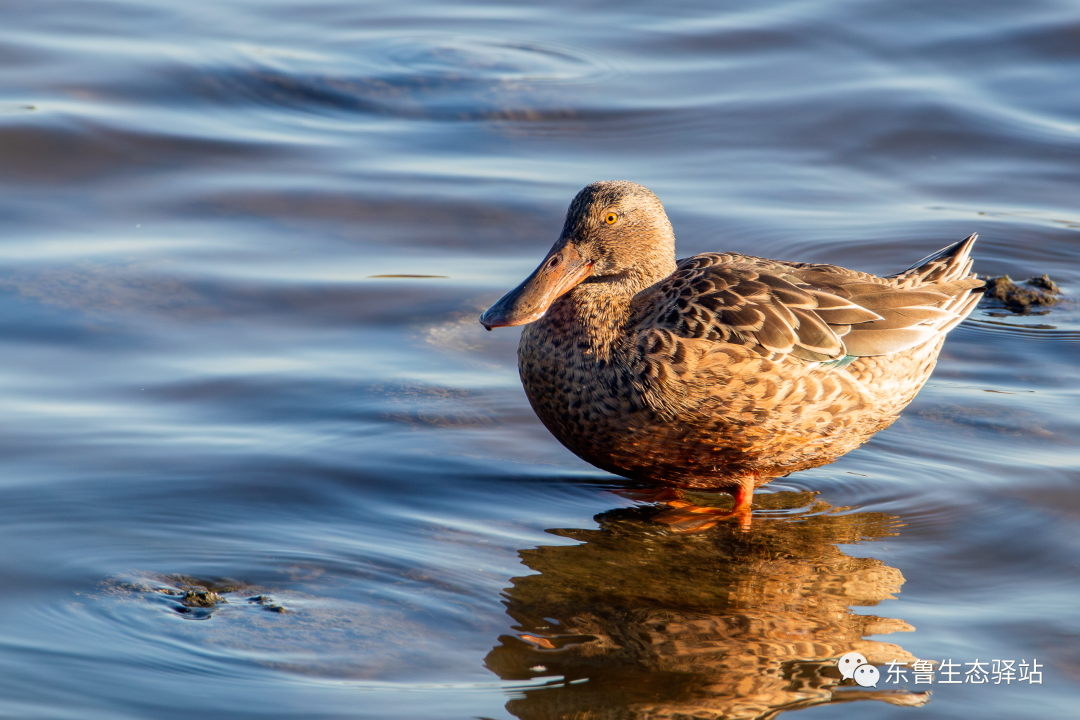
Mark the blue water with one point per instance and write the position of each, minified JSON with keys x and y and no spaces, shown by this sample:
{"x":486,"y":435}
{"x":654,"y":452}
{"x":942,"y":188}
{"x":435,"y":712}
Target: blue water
{"x":203,"y":386}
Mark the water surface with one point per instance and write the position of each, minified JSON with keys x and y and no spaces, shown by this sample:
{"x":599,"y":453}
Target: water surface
{"x":205,"y":388}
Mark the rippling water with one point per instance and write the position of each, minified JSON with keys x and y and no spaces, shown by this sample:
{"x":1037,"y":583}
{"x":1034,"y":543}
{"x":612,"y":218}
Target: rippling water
{"x":206,"y":390}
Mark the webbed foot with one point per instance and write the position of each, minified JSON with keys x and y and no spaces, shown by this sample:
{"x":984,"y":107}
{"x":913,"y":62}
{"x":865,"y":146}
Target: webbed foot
{"x":686,"y":517}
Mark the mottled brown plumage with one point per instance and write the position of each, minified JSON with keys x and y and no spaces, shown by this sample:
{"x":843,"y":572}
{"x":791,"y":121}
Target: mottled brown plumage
{"x":721,"y":370}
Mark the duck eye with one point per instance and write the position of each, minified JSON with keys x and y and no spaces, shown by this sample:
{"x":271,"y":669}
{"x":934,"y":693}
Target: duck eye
{"x":610,"y":218}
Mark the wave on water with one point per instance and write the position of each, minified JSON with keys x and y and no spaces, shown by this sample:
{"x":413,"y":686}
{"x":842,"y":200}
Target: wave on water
{"x":1035,"y":331}
{"x":424,"y":77}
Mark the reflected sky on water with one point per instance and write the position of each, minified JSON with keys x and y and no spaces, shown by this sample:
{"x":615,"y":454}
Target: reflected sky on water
{"x":205,"y":389}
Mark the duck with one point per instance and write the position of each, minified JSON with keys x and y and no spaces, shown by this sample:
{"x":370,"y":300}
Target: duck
{"x":721,"y":371}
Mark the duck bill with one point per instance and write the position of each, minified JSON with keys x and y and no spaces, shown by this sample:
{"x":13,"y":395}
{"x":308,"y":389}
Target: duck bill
{"x":562,"y":269}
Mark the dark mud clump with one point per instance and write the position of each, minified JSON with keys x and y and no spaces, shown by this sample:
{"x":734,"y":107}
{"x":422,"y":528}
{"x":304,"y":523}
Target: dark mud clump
{"x":1031,"y":297}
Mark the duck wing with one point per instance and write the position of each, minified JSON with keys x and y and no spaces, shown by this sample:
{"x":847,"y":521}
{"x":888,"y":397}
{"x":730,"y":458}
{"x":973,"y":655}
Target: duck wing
{"x":815,"y":312}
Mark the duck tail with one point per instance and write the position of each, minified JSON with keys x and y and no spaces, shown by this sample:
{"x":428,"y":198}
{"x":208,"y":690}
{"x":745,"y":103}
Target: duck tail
{"x":946,"y":265}
{"x":948,"y":271}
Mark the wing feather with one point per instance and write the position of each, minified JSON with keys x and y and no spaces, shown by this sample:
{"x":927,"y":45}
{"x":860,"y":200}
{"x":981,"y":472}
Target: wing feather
{"x":818,"y":313}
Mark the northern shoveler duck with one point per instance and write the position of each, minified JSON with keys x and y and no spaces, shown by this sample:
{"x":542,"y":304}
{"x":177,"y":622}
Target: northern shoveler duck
{"x":721,"y":371}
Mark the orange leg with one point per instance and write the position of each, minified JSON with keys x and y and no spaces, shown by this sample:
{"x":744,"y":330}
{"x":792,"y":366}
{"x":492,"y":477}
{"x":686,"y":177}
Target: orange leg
{"x":685,"y":517}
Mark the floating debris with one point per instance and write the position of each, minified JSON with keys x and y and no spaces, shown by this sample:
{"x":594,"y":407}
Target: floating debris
{"x":268,"y":603}
{"x":1036,"y":292}
{"x":190,"y":597}
{"x":200,"y":597}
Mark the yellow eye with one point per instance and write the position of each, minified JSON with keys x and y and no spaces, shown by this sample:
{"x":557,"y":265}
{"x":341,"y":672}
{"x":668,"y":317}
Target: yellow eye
{"x":610,"y":218}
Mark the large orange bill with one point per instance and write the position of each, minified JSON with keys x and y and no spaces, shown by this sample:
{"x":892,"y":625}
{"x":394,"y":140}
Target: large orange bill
{"x":562,"y":269}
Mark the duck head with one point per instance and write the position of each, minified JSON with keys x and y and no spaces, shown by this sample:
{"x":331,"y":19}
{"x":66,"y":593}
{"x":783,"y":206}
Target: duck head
{"x":615,"y":232}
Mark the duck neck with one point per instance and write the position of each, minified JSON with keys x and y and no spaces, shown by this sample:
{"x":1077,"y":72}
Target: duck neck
{"x":592,"y":318}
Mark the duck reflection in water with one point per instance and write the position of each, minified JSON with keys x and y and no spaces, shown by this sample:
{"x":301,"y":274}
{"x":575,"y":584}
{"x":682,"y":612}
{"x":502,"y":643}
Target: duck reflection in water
{"x":723,"y":624}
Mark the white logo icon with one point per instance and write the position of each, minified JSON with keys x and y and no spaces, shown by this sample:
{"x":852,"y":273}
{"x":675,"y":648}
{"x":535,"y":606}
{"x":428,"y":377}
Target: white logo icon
{"x":849,"y":663}
{"x":867,"y":675}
